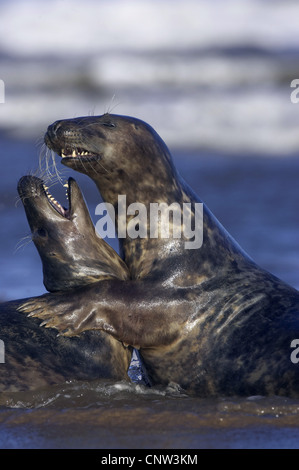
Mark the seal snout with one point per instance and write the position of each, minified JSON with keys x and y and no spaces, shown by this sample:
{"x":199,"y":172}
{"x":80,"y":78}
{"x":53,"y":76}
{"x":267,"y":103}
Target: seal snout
{"x":55,"y":130}
{"x":29,"y":186}
{"x":65,"y":138}
{"x":54,"y":136}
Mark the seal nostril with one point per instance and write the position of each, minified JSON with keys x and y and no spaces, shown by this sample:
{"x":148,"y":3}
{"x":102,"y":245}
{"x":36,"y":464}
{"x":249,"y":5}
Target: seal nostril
{"x":55,"y":130}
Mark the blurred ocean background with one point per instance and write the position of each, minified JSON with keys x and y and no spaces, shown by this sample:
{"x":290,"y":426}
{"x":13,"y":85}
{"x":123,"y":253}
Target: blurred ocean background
{"x":213,"y":78}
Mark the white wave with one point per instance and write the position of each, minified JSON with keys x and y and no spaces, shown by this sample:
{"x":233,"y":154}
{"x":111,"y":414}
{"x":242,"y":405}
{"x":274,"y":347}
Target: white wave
{"x":260,"y":121}
{"x":156,"y":58}
{"x":77,"y":28}
{"x":183,"y":71}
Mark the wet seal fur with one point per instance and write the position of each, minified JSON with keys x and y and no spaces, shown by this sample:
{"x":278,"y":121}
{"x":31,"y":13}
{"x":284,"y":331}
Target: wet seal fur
{"x":34,"y":356}
{"x":210,"y":319}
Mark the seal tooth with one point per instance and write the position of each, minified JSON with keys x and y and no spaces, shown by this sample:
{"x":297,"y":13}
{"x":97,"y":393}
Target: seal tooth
{"x":74,"y":153}
{"x":66,"y":185}
{"x":54,"y":200}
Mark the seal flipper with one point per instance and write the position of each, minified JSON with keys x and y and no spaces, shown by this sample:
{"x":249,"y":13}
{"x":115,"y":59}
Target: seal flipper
{"x":125,"y":311}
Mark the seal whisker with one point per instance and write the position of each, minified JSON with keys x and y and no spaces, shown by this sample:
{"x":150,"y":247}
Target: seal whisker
{"x":18,"y":200}
{"x":24,"y":241}
{"x":42,"y":155}
{"x":96,"y":170}
{"x":87,"y":164}
{"x":47,"y":156}
{"x":44,"y":159}
{"x":92,"y":112}
{"x":40,"y":141}
{"x":55,"y":166}
{"x":102,"y":166}
{"x":41,"y":173}
{"x":110,"y":108}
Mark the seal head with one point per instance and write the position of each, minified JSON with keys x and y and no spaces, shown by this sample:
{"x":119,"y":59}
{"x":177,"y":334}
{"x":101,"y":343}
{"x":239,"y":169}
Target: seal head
{"x":126,"y":156}
{"x":72,"y":253}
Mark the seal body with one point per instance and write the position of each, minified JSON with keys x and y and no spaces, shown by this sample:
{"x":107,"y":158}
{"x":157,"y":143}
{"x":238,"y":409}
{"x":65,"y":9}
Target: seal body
{"x":34,"y":356}
{"x":209,"y":318}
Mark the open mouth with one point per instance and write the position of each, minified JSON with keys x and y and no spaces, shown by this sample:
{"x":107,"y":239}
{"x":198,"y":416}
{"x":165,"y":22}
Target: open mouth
{"x":70,"y":152}
{"x":77,"y":154}
{"x":64,"y":212}
{"x":31,"y":188}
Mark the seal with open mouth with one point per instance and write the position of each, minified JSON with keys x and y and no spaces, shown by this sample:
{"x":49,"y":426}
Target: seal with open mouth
{"x":72,"y":255}
{"x":71,"y":252}
{"x":209,"y":318}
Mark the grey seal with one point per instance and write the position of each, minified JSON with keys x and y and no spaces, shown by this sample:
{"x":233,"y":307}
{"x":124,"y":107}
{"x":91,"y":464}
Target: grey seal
{"x":35,"y":356}
{"x":209,"y":319}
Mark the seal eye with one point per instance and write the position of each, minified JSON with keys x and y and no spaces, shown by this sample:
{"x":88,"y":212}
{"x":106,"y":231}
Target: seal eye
{"x":42,"y":232}
{"x":108,"y":124}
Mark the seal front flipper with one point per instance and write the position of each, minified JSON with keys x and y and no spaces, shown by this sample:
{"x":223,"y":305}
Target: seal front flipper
{"x":55,"y":311}
{"x":124,"y":310}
